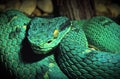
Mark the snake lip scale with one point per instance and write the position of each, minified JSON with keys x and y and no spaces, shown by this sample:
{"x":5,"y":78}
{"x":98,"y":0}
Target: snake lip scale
{"x":61,"y":48}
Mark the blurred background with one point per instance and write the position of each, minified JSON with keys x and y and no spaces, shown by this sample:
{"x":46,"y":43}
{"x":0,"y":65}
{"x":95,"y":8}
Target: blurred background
{"x":110,"y":8}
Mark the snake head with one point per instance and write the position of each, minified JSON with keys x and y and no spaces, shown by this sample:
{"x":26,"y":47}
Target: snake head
{"x":45,"y":34}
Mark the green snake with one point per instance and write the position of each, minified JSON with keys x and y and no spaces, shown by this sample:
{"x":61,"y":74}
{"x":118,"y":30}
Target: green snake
{"x":36,"y":48}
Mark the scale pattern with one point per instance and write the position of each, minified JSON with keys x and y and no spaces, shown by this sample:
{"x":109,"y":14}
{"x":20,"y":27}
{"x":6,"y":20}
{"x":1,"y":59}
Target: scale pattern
{"x":12,"y":34}
{"x":73,"y":54}
{"x":76,"y":60}
{"x":103,"y":33}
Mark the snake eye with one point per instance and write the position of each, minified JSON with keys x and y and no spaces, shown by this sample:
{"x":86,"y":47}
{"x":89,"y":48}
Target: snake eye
{"x":55,"y":34}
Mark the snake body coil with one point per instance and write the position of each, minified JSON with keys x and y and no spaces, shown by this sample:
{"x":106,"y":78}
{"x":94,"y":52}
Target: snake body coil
{"x":24,"y":64}
{"x":78,"y":61}
{"x":69,"y":40}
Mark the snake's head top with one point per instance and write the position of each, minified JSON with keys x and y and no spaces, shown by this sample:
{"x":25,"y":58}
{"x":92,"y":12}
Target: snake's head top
{"x":45,"y":34}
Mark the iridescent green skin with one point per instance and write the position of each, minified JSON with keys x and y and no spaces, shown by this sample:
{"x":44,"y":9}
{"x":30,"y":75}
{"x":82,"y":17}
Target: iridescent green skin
{"x":72,"y":52}
{"x":41,"y":33}
{"x":103,"y":33}
{"x":16,"y":54}
{"x":76,"y":60}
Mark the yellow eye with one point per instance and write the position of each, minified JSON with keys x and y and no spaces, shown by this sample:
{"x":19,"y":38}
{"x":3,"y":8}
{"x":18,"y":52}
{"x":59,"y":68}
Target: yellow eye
{"x":55,"y":34}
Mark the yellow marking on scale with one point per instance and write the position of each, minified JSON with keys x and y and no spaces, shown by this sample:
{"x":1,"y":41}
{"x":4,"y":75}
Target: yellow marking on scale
{"x":25,"y":27}
{"x":93,"y":47}
{"x":14,"y":17}
{"x":88,"y":50}
{"x":51,"y":65}
{"x":46,"y":75}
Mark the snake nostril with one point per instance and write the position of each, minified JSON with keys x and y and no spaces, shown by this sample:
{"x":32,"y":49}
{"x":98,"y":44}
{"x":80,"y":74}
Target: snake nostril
{"x":49,"y":41}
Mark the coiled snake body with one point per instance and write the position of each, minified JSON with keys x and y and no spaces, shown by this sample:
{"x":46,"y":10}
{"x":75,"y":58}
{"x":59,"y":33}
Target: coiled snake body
{"x":71,"y":41}
{"x":24,"y":64}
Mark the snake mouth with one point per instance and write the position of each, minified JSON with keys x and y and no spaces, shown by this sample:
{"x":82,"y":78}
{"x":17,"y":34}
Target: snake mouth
{"x":43,"y":50}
